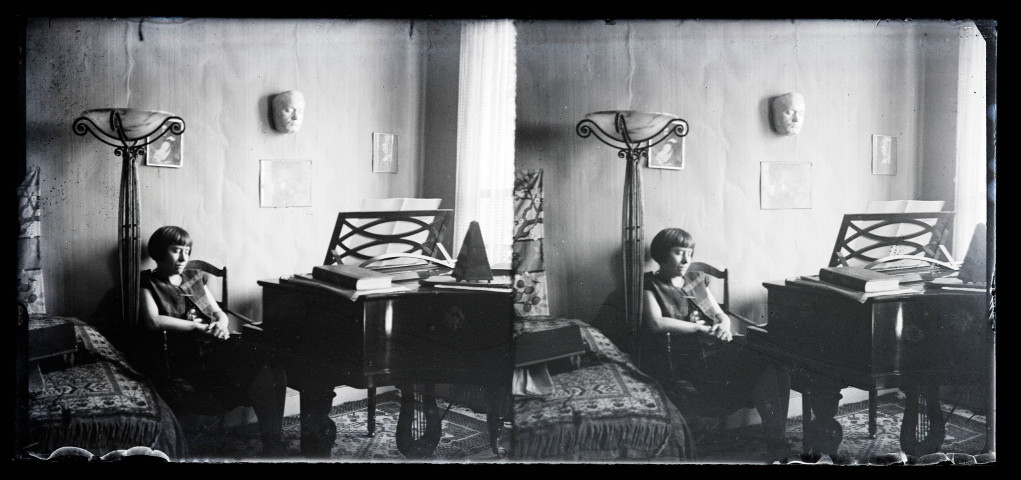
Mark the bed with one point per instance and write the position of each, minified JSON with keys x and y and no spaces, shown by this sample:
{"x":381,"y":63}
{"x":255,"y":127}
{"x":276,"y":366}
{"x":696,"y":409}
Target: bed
{"x":605,"y":409}
{"x":92,"y":402}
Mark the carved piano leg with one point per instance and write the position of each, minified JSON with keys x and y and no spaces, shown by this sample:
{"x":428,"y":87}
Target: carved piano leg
{"x":924,"y":427}
{"x":318,"y":432}
{"x":824,"y":433}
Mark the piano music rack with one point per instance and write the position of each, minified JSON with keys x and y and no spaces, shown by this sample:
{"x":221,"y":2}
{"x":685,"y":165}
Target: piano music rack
{"x":365,"y":236}
{"x":863,"y":234}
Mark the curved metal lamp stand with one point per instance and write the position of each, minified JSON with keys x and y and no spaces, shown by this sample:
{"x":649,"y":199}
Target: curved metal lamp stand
{"x":632,"y":133}
{"x":129,"y":131}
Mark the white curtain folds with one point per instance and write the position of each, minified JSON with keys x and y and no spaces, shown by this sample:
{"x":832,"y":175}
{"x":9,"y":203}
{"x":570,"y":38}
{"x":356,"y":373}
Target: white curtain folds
{"x":485,"y":136}
{"x":971,"y":183}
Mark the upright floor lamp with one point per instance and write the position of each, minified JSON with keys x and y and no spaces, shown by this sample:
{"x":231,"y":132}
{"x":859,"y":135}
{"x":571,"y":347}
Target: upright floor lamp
{"x":129,"y":131}
{"x":632,"y":133}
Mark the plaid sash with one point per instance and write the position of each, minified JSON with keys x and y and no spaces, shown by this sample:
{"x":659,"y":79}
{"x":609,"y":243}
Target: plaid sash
{"x":194,"y":285}
{"x":177,"y":300}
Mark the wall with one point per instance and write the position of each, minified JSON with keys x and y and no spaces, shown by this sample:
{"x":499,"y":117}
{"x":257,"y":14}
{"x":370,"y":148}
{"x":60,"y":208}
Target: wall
{"x":358,"y":77}
{"x":859,"y":78}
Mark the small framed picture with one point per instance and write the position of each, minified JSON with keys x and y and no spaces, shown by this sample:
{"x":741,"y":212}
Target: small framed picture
{"x":384,"y":153}
{"x":884,"y":155}
{"x":167,"y":151}
{"x":668,"y":154}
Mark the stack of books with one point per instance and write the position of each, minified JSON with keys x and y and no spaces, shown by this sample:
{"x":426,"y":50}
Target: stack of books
{"x":347,"y":280}
{"x":859,"y":278}
{"x":857,"y":283}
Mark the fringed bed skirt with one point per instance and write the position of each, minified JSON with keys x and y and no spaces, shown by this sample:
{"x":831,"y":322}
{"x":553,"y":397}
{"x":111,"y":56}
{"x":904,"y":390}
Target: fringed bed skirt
{"x":605,"y":410}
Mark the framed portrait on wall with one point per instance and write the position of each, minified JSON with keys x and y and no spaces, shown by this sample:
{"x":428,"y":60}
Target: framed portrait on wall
{"x":285,"y":183}
{"x":785,"y":185}
{"x":668,"y":154}
{"x":168,"y":151}
{"x":384,"y":153}
{"x":884,"y":155}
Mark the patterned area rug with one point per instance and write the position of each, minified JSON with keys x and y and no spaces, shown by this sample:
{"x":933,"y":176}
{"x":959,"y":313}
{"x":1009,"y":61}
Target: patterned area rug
{"x":465,"y":436}
{"x":466,"y":439}
{"x":965,"y":433}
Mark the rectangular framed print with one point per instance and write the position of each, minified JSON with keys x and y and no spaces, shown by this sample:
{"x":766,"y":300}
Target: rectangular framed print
{"x":384,"y":153}
{"x":167,"y":151}
{"x":884,"y":155}
{"x":668,"y":154}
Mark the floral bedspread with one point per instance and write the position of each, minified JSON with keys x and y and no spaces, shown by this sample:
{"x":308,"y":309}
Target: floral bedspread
{"x":606,"y":409}
{"x":97,"y":402}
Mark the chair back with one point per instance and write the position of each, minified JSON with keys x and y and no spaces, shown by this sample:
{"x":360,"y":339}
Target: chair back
{"x":718,"y":274}
{"x":211,"y":269}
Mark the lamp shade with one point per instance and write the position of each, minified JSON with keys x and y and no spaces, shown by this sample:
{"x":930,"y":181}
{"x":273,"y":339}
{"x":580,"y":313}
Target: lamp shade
{"x":107,"y":124}
{"x":640,"y":125}
{"x":628,"y":128}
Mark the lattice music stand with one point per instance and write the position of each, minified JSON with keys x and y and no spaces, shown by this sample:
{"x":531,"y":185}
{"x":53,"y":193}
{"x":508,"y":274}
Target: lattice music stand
{"x":366,"y":237}
{"x":872,"y":238}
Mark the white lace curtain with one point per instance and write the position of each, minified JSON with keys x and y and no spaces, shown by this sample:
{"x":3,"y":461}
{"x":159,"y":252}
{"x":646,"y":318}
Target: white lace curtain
{"x":485,"y":136}
{"x":971,"y":184}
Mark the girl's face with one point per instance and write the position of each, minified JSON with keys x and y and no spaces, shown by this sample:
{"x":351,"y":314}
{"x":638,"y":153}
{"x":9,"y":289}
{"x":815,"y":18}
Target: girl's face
{"x":678,"y":260}
{"x":174,"y":260}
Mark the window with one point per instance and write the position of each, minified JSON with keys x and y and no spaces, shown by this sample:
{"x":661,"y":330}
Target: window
{"x":485,"y":136}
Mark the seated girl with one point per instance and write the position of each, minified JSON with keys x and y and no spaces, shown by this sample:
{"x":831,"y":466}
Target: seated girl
{"x":203,"y":368}
{"x":701,"y":370}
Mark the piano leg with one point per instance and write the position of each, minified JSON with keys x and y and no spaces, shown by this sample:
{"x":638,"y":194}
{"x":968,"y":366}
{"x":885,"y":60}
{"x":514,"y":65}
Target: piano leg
{"x":873,"y":399}
{"x":372,"y":411}
{"x":823,"y":433}
{"x":497,"y":404}
{"x":318,"y":432}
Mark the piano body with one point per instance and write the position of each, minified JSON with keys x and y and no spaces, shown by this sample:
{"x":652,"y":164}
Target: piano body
{"x":412,"y":339}
{"x":914,"y":341}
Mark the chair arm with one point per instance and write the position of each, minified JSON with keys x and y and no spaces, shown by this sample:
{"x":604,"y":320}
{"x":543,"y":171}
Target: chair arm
{"x":747,"y":322}
{"x":239,"y":322}
{"x":242,"y":318}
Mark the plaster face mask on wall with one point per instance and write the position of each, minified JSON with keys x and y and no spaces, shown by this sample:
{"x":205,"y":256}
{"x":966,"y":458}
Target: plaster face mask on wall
{"x":288,"y":111}
{"x":788,"y":113}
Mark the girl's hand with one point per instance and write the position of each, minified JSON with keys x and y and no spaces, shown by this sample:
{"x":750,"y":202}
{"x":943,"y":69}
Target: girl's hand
{"x":219,"y":330}
{"x":722,"y":332}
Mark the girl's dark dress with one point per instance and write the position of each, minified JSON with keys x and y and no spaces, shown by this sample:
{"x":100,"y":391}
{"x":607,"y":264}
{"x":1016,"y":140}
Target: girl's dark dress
{"x":192,"y":370}
{"x":697,"y":371}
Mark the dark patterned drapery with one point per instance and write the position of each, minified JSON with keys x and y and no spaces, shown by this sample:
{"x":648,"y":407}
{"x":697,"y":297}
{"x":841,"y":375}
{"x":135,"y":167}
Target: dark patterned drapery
{"x":530,"y":294}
